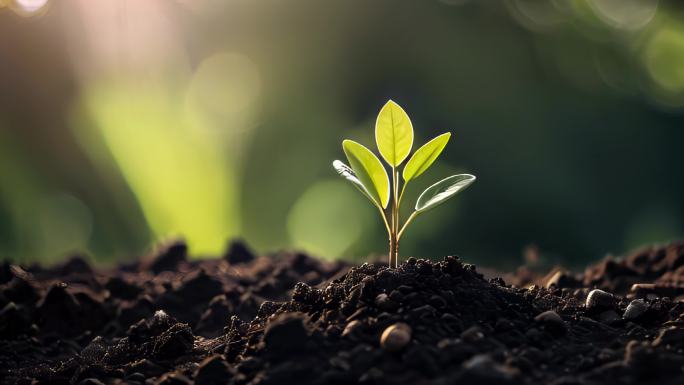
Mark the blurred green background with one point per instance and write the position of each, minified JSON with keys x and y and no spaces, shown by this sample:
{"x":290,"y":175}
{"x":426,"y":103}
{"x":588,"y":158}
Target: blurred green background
{"x":129,"y":122}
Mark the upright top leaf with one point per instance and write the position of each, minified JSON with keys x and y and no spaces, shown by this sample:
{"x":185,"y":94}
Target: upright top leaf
{"x":423,"y":158}
{"x":368,"y":170}
{"x":393,"y":133}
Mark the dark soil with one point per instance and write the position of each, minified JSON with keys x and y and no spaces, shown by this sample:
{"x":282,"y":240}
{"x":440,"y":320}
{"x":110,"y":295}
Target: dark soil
{"x":291,"y":319}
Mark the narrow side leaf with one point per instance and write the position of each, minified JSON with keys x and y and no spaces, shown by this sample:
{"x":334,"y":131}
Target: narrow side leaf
{"x":369,"y":171}
{"x":347,"y":173}
{"x":441,"y":191}
{"x":423,"y":158}
{"x":393,"y":133}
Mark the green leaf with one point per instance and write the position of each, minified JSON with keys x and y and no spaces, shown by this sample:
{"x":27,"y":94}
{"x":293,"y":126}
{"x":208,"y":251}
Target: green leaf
{"x":369,"y":171}
{"x":423,"y":158}
{"x":347,"y":173}
{"x":439,"y":192}
{"x":393,"y":133}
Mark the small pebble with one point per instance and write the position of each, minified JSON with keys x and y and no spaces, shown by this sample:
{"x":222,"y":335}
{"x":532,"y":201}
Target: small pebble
{"x":560,"y":279}
{"x":472,"y":334}
{"x":483,"y":369}
{"x":552,"y":322}
{"x":635,"y":309}
{"x":383,"y":302}
{"x":599,"y":299}
{"x":350,"y":328}
{"x":395,"y":337}
{"x":550,"y":317}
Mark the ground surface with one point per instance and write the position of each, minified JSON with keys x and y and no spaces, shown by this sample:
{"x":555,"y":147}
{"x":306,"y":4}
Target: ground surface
{"x":291,"y":319}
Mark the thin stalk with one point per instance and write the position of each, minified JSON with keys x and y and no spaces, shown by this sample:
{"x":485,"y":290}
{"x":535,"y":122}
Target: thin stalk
{"x":389,"y":232}
{"x":392,"y":247}
{"x":384,"y":219}
{"x":401,"y":195}
{"x":409,"y":220}
{"x":396,"y":219}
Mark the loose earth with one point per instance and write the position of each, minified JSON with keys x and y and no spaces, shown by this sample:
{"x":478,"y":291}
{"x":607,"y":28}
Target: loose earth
{"x":292,"y":319}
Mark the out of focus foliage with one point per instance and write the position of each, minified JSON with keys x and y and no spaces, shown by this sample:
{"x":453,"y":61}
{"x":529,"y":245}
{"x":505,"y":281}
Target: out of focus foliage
{"x":131,"y":121}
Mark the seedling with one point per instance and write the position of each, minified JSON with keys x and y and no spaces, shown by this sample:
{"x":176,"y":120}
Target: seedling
{"x":394,"y":138}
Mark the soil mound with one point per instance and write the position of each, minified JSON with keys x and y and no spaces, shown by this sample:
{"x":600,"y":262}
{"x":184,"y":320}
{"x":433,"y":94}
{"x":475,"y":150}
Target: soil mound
{"x":293,"y":319}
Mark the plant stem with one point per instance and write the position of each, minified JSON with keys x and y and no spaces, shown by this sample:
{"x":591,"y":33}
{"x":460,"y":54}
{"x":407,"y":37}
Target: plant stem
{"x":392,"y":248}
{"x":384,"y":219}
{"x":394,"y":239}
{"x":390,"y":229}
{"x":403,"y":228}
{"x":401,"y":195}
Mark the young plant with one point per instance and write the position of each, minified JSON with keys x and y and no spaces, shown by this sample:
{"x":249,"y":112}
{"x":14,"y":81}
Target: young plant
{"x":394,"y":138}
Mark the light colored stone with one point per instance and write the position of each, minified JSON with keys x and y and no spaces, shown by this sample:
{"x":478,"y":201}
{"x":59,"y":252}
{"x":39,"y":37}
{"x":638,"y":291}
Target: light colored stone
{"x":599,"y":299}
{"x":635,"y":309}
{"x":395,"y":337}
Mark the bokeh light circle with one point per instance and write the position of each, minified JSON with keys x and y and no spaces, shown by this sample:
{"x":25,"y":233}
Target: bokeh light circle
{"x":663,"y":57}
{"x":27,"y":7}
{"x":328,"y":218}
{"x":625,"y":14}
{"x":536,"y":15}
{"x":225,"y":84}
